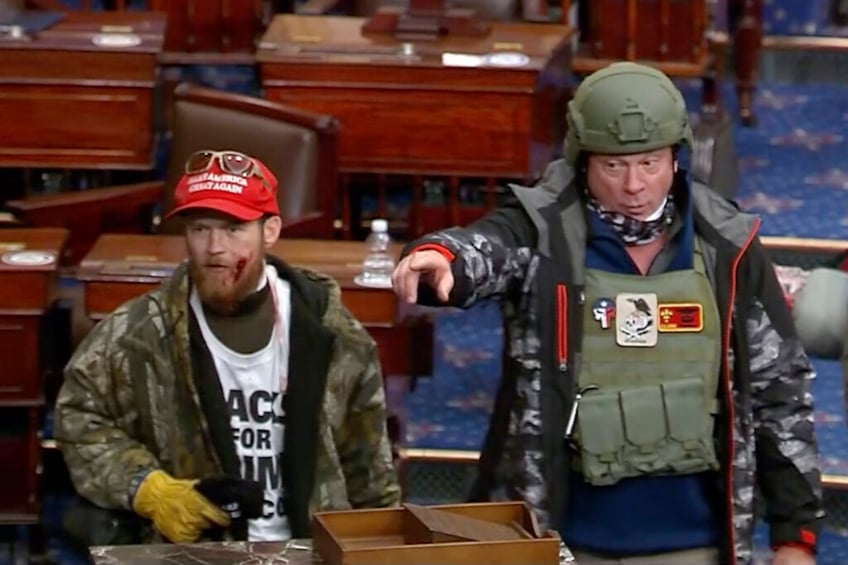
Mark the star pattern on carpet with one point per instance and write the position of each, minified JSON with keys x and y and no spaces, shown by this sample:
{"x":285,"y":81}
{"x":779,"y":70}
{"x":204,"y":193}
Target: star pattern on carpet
{"x":803,"y":138}
{"x":769,"y":99}
{"x":762,"y":202}
{"x":837,"y":178}
{"x":750,"y":163}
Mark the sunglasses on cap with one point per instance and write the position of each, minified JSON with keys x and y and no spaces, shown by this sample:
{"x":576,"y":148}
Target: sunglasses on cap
{"x":231,"y":162}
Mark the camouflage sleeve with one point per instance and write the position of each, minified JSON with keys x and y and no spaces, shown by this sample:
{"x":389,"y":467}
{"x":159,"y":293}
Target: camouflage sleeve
{"x":365,"y":449}
{"x":94,"y":413}
{"x":489,"y":255}
{"x":788,"y":470}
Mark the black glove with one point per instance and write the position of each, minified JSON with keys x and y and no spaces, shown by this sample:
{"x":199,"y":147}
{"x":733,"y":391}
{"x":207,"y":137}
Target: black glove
{"x":239,"y":498}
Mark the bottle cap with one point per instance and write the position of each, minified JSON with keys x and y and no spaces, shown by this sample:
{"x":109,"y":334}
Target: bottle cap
{"x":379,"y":225}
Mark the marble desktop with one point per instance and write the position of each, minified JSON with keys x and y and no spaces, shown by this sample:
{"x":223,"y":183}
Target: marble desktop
{"x":213,"y":553}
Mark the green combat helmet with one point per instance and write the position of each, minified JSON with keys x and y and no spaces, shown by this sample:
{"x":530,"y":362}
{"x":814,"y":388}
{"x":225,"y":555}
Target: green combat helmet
{"x":626,"y":108}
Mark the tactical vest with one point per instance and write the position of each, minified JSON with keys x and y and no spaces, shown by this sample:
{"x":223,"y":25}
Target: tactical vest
{"x":648,"y":380}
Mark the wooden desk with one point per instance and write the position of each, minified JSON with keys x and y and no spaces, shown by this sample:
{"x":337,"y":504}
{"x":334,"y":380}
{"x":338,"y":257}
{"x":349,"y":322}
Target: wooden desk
{"x":413,"y":109}
{"x":120,"y":267}
{"x":65,"y":102}
{"x":197,"y":32}
{"x":28,"y":262}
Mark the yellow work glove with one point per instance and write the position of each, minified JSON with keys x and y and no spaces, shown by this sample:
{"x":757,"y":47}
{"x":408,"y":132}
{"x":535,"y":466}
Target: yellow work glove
{"x":177,"y":510}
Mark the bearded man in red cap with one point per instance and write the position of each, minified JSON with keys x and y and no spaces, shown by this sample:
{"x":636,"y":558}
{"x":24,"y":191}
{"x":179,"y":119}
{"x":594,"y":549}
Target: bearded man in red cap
{"x":238,"y":397}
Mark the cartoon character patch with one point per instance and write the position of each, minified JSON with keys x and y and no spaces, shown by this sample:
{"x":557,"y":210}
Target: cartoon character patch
{"x":636,"y":320}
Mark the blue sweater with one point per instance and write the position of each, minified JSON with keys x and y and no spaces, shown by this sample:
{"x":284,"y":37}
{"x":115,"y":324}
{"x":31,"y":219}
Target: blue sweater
{"x":647,"y":514}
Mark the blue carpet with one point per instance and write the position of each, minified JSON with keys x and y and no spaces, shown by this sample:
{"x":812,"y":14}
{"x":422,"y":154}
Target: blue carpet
{"x":451,"y":409}
{"x":793,"y":169}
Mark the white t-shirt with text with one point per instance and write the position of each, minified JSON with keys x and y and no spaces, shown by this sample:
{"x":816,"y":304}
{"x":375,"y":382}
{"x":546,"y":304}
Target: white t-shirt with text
{"x":253,"y":385}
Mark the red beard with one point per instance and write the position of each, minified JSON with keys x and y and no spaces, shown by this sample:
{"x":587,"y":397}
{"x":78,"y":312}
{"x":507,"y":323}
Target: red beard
{"x":223,"y":289}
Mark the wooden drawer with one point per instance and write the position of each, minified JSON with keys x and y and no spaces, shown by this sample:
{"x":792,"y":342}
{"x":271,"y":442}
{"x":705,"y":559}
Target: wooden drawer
{"x":20,"y":376}
{"x":78,"y":126}
{"x":25,"y":290}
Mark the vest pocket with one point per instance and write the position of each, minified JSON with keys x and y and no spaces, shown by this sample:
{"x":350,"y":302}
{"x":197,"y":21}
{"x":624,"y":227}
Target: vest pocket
{"x":601,"y":437}
{"x":658,"y":429}
{"x":644,"y":427}
{"x":689,"y":426}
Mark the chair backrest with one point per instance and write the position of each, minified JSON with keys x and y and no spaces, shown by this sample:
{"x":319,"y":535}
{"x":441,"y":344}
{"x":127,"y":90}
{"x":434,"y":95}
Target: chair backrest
{"x":299,"y":147}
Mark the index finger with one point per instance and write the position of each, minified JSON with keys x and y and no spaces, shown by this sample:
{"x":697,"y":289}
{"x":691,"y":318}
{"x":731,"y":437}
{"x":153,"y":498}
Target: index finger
{"x":405,"y":281}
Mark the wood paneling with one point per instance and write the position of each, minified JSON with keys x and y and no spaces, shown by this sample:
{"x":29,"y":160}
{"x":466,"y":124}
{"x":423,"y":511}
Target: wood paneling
{"x":27,"y":292}
{"x":85,"y":106}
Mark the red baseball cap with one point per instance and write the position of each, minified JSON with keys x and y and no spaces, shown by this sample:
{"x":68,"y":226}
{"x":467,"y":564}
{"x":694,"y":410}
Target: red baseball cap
{"x":245,"y":198}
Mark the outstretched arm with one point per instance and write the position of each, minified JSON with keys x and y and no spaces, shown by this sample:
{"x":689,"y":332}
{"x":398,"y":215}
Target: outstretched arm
{"x":484,"y":259}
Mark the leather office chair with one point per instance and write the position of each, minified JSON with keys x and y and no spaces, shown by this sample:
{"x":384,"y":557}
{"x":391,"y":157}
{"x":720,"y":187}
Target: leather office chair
{"x":299,"y":147}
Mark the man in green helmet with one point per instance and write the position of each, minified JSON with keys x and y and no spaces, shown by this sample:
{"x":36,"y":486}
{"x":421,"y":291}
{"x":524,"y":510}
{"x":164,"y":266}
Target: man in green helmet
{"x":653,"y":378}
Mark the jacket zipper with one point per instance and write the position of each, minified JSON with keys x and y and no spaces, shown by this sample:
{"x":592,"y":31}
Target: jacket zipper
{"x":725,"y":348}
{"x":562,"y":327}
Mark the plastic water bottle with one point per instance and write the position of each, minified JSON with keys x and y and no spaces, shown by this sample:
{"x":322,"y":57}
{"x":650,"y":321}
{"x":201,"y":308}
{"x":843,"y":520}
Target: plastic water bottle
{"x":378,"y":264}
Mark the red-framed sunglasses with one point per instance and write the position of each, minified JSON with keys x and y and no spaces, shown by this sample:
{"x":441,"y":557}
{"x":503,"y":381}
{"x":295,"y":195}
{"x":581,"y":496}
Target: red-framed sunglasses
{"x":231,"y":162}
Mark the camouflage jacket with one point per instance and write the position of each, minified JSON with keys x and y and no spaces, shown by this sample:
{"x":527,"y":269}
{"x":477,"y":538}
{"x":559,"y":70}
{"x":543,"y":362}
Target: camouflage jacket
{"x":136,"y":398}
{"x":530,"y":255}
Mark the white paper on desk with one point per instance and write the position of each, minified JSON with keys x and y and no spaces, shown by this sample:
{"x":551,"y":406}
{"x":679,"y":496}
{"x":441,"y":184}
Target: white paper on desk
{"x":116,"y":40}
{"x":506,"y":59}
{"x":461,"y":60}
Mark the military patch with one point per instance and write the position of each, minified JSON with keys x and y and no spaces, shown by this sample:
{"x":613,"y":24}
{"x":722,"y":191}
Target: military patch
{"x":681,"y":317}
{"x":635,"y":320}
{"x":603,"y":311}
